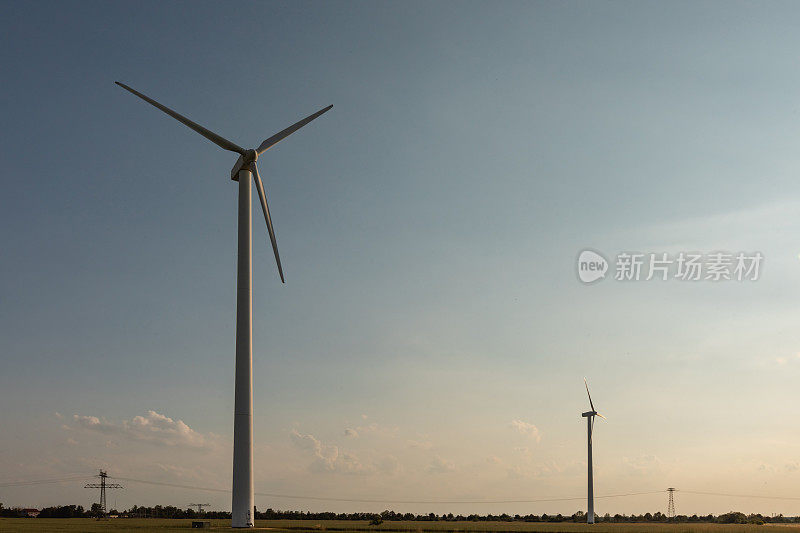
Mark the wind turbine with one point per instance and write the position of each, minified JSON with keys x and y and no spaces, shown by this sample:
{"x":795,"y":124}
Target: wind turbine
{"x":589,"y":415}
{"x":243,"y":171}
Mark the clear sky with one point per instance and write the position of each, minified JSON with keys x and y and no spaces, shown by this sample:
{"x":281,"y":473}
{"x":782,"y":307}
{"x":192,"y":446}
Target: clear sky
{"x":432,"y":337}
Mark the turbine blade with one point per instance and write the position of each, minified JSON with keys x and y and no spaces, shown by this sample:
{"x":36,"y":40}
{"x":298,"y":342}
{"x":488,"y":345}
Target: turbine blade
{"x":208,"y":134}
{"x":601,"y":416}
{"x":275,"y":139}
{"x":587,"y":392}
{"x":264,"y":207}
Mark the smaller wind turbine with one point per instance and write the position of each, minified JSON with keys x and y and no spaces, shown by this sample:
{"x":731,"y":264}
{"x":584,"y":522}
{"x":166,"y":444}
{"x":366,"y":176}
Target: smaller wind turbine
{"x":589,"y":415}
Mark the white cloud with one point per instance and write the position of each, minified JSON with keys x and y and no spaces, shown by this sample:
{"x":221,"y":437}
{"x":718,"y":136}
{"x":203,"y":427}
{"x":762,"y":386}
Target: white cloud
{"x":327,"y":458}
{"x":389,"y":465}
{"x":423,"y":444}
{"x":516,"y":472}
{"x":95,"y":424}
{"x":546,"y":469}
{"x":642,"y":464}
{"x":376,"y":428}
{"x":306,"y":442}
{"x":154,"y":428}
{"x":526,"y":428}
{"x":732,"y":229}
{"x":440,"y":466}
{"x":767,"y":468}
{"x":373,"y":428}
{"x":786,"y":359}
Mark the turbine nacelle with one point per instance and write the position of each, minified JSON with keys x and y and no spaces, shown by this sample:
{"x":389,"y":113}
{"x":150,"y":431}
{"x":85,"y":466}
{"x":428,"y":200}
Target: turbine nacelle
{"x":249,"y":156}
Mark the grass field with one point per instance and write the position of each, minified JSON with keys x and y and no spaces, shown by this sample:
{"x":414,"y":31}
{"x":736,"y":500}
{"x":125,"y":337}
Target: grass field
{"x":295,"y":526}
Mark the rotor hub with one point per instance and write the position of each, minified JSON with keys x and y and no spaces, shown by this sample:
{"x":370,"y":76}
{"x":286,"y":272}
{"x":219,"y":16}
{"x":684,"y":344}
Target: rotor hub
{"x":250,"y":156}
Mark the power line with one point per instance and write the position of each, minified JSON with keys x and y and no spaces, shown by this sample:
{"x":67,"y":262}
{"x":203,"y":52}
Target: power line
{"x":42,"y":481}
{"x":741,"y":495}
{"x":473,"y":502}
{"x":361,"y":500}
{"x":11,"y":479}
{"x":367,"y":500}
{"x":173,"y":485}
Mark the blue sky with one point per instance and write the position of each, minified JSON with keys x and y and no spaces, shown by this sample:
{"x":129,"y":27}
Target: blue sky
{"x":428,"y":227}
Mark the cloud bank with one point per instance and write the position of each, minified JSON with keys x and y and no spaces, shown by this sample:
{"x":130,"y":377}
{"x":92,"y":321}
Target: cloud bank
{"x":526,"y":428}
{"x":329,"y":458}
{"x":153,"y":428}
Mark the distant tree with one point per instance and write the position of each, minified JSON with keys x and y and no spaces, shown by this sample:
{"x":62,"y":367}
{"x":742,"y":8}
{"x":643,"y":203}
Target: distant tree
{"x":732,"y":518}
{"x":96,"y":510}
{"x":5,"y":512}
{"x":64,"y":511}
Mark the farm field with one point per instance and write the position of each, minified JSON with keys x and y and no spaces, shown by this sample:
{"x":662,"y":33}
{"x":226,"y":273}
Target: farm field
{"x":87,"y":525}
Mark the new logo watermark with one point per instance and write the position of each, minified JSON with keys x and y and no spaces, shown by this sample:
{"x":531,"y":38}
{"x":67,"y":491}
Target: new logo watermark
{"x":591,"y":266}
{"x":681,"y":266}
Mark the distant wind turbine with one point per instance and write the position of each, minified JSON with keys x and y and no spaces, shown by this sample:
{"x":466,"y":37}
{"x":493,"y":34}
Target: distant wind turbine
{"x":589,"y":415}
{"x":243,"y":171}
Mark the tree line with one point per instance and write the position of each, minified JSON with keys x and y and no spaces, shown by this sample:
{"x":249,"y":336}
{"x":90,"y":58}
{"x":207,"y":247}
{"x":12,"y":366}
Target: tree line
{"x":169,"y":511}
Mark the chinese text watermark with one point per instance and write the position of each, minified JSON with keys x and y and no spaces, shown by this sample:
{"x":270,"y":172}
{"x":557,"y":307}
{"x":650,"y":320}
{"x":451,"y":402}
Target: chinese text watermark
{"x":681,"y":266}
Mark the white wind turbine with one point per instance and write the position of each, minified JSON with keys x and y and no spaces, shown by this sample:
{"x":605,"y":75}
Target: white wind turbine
{"x":589,"y":415}
{"x":243,"y":171}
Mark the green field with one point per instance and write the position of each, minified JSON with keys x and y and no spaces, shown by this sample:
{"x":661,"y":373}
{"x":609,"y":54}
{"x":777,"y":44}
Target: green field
{"x":295,"y":526}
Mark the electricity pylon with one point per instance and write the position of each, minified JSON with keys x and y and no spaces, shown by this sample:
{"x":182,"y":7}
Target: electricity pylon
{"x":103,"y":486}
{"x":199,"y":506}
{"x":671,"y":505}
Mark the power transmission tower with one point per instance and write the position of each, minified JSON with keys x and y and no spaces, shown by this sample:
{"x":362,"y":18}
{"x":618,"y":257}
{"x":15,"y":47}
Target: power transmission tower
{"x":671,"y":506}
{"x":103,"y":486}
{"x":199,"y":506}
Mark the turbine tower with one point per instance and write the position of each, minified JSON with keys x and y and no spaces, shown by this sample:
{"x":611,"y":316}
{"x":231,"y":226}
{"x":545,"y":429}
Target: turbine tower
{"x":244,"y":171}
{"x":589,"y":415}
